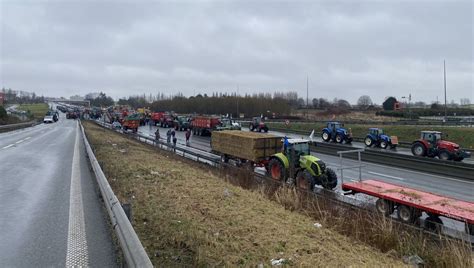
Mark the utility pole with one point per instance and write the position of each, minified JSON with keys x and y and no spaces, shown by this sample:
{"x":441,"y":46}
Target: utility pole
{"x":445,"y":102}
{"x":238,"y":113}
{"x":307,"y":94}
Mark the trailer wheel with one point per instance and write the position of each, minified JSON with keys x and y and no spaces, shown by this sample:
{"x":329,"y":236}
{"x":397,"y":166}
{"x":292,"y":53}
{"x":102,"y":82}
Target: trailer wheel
{"x":470,"y":228}
{"x":304,"y":181}
{"x":277,"y":170}
{"x":384,"y":206}
{"x":407,"y":214}
{"x":433,"y":223}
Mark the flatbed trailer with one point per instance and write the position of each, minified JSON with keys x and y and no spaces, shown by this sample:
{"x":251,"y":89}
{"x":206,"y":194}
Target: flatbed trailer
{"x":410,"y":203}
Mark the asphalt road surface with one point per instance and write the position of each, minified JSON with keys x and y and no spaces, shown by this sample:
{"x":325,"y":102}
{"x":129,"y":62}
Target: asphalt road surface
{"x":51,"y":213}
{"x":451,"y":187}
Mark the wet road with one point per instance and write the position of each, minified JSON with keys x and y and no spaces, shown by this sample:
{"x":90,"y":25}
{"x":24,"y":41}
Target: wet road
{"x":452,"y":187}
{"x":40,"y":226}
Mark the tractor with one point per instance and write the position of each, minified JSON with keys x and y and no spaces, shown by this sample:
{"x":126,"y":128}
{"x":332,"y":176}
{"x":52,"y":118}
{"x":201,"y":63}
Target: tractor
{"x":376,"y":137}
{"x":181,"y":123}
{"x":431,"y":144}
{"x":295,"y":165}
{"x":258,"y":125}
{"x":335,"y":132}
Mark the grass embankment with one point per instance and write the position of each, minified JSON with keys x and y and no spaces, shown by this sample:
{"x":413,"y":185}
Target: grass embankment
{"x":37,"y":110}
{"x":186,"y":215}
{"x":464,"y":136}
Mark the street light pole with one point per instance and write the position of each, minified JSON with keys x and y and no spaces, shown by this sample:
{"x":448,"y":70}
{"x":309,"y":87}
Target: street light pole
{"x":445,"y":101}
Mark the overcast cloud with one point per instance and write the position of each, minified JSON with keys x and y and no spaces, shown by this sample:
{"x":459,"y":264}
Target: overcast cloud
{"x":347,"y":48}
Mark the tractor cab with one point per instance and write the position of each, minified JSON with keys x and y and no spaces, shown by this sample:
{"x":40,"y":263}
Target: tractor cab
{"x":335,"y":125}
{"x":431,"y":136}
{"x":300,"y":146}
{"x":376,"y":131}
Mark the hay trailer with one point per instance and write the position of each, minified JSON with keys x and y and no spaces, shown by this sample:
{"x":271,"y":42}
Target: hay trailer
{"x":408,"y":203}
{"x":285,"y":160}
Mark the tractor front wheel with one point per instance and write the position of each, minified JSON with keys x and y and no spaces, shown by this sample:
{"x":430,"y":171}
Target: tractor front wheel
{"x":277,"y":170}
{"x":339,"y":138}
{"x":383,"y":144}
{"x":444,"y":155}
{"x":329,"y":180}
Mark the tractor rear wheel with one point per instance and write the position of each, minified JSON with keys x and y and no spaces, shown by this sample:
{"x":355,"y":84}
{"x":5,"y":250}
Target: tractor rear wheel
{"x":325,"y":136}
{"x":418,"y":149}
{"x":383,"y":144}
{"x":384,"y":206}
{"x":304,"y":180}
{"x":368,"y":142}
{"x":277,"y":170}
{"x":329,"y":180}
{"x":444,"y":155}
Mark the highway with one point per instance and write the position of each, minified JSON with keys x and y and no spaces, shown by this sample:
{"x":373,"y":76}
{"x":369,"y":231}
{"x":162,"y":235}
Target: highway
{"x":51,"y":213}
{"x":452,"y":187}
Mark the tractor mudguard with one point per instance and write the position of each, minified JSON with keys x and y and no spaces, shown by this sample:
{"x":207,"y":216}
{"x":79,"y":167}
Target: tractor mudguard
{"x":385,"y":138}
{"x":282,"y":159}
{"x":327,"y":130}
{"x":307,"y":161}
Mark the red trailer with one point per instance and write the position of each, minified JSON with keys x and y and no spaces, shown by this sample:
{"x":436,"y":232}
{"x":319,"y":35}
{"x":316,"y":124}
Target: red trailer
{"x":410,"y":203}
{"x":204,"y":124}
{"x":163,"y":118}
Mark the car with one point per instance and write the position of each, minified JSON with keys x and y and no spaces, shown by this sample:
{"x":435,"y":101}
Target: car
{"x":116,"y":125}
{"x":48,"y":119}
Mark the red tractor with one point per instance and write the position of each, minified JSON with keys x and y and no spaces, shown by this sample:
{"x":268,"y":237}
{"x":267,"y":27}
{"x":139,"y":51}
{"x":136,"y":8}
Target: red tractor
{"x":431,"y":144}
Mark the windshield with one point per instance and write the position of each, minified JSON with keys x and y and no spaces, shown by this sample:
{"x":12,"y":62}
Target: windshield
{"x":437,"y":136}
{"x":301,"y":148}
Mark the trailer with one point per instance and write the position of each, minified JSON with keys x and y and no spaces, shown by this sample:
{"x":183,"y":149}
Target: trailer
{"x":202,"y":125}
{"x":411,"y":203}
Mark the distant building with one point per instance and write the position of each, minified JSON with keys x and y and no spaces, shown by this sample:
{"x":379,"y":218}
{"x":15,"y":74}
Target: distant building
{"x":76,"y":98}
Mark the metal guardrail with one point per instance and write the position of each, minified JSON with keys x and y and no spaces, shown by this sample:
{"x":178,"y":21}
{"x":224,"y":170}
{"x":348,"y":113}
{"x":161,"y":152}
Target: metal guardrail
{"x":428,"y":165}
{"x":134,"y":253}
{"x":27,"y":124}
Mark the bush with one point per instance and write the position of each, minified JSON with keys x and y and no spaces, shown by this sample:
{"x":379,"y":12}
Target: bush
{"x":3,"y":112}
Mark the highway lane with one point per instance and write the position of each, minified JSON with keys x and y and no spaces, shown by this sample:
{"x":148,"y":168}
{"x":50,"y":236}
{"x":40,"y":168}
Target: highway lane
{"x":443,"y":185}
{"x":37,"y":167}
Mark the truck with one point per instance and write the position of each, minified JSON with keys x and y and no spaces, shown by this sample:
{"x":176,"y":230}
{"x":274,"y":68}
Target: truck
{"x":227,"y":123}
{"x":131,"y":122}
{"x":258,"y":124}
{"x":431,"y":144}
{"x":286,"y":160}
{"x":335,"y":131}
{"x":410,"y":203}
{"x":163,"y":119}
{"x":181,"y":122}
{"x":376,"y":137}
{"x":203,"y":125}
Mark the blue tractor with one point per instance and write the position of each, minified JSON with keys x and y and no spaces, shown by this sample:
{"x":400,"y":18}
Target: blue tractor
{"x":376,"y":137}
{"x":335,"y":132}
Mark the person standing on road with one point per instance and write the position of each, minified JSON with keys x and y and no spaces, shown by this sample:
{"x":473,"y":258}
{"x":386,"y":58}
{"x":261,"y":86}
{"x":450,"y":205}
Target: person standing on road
{"x":168,"y":136}
{"x":157,"y":134}
{"x":188,"y":135}
{"x":173,"y":133}
{"x":174,"y":144}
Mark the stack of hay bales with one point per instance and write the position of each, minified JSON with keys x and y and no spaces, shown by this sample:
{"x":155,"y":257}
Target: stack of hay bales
{"x":245,"y":145}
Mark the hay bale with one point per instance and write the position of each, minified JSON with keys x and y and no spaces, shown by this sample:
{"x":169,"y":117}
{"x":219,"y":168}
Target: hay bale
{"x":245,"y":145}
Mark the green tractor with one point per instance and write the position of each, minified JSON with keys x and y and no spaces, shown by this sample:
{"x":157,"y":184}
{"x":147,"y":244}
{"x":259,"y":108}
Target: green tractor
{"x":181,"y":123}
{"x":295,"y":165}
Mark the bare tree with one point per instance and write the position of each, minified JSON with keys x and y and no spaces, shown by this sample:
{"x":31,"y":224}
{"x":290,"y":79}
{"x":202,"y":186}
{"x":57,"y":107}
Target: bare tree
{"x":364,"y":101}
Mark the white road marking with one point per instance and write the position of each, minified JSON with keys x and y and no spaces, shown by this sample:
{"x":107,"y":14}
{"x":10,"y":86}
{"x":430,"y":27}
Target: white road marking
{"x":27,"y":138}
{"x":20,"y":141}
{"x":8,"y":146}
{"x":76,"y":240}
{"x":384,"y":175}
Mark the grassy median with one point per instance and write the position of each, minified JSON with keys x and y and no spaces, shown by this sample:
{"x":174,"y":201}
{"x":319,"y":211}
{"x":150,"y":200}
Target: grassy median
{"x":37,"y":110}
{"x":186,"y":214}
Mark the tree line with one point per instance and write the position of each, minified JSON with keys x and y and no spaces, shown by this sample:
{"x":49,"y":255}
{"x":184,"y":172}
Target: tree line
{"x":21,"y":97}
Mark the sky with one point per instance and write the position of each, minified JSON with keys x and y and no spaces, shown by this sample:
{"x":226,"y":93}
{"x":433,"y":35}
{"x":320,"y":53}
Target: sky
{"x":345,"y":48}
